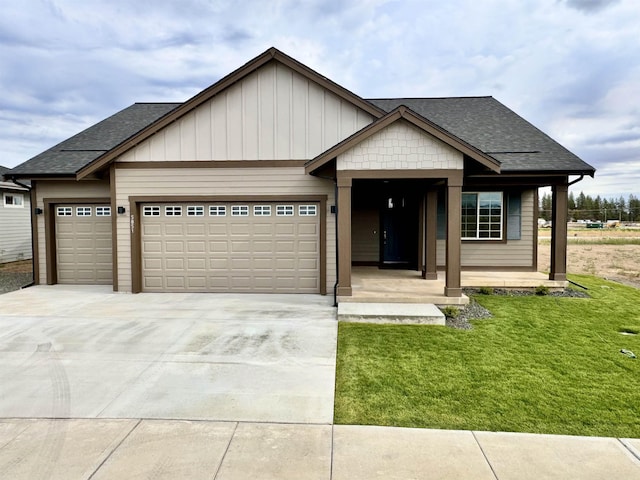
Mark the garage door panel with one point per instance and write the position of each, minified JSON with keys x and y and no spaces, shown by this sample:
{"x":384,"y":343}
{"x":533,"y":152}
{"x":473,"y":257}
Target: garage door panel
{"x":174,"y":247}
{"x":83,"y":246}
{"x":175,"y":282}
{"x":196,"y":229}
{"x":174,"y":229}
{"x":175,"y":264}
{"x":227,"y":253}
{"x":151,"y":247}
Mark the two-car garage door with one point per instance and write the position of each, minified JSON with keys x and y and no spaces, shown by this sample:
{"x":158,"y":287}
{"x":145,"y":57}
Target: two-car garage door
{"x":231,"y":247}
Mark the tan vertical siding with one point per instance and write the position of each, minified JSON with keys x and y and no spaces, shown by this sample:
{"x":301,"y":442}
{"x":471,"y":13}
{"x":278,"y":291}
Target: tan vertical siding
{"x":210,"y":182}
{"x":15,"y":229}
{"x":513,"y":253}
{"x":62,"y":189}
{"x":272,"y":114}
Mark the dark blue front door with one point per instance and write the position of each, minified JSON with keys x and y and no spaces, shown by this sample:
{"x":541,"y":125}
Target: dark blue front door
{"x":399,"y":232}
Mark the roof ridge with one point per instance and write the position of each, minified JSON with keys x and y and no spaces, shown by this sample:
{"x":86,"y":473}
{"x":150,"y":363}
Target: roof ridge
{"x":430,"y":98}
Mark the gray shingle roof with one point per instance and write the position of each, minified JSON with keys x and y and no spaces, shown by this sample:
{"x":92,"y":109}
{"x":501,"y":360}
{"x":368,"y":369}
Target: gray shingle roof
{"x":482,"y":122}
{"x":496,"y":130}
{"x":71,"y":155}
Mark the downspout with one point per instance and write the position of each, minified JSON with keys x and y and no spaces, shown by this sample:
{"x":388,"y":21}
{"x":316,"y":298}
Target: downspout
{"x":576,"y":180}
{"x":335,"y":216}
{"x":31,"y":214}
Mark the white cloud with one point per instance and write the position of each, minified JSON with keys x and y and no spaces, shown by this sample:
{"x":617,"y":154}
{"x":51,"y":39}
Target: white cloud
{"x":568,"y":66}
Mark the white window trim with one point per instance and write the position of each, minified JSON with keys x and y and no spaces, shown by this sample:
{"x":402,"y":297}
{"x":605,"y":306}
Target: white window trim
{"x":285,"y":211}
{"x":86,"y":211}
{"x":239,"y":210}
{"x":310,"y":210}
{"x":151,"y":211}
{"x":195,"y":211}
{"x":502,"y":206}
{"x":103,"y":211}
{"x":14,"y":196}
{"x":173,"y":211}
{"x":262,"y":210}
{"x":67,"y":211}
{"x":217,"y":210}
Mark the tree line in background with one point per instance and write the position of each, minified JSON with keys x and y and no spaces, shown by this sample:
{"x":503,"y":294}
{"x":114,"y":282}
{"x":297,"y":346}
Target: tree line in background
{"x":585,"y":207}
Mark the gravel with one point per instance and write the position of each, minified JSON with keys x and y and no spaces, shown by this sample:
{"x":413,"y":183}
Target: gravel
{"x":14,"y":281}
{"x":475,"y":311}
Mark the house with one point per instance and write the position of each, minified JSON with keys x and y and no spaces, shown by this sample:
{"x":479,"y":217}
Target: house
{"x":15,"y":221}
{"x":276,"y":179}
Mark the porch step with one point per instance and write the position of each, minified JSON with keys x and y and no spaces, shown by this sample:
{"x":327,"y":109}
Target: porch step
{"x":394,"y":313}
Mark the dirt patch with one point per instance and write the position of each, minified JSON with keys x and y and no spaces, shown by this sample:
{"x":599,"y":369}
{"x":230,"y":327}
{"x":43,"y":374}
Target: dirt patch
{"x":620,"y":263}
{"x":22,"y":266}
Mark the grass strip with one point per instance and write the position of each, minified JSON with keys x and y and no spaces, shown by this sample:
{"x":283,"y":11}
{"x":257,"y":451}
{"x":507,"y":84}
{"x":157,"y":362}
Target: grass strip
{"x":541,"y":365}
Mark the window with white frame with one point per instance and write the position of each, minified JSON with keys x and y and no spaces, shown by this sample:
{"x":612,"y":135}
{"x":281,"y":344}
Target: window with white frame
{"x":239,"y":210}
{"x":217,"y":210}
{"x":262,"y":210}
{"x":103,"y":211}
{"x":14,"y":200}
{"x":64,"y":211}
{"x":307,"y":210}
{"x":83,"y":211}
{"x":482,"y":216}
{"x":284,"y":210}
{"x":195,"y":211}
{"x":151,"y":211}
{"x":173,"y":211}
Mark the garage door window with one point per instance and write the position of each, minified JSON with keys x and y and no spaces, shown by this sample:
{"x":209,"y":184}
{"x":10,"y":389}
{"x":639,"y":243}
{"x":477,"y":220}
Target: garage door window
{"x":195,"y":211}
{"x":83,"y":211}
{"x":262,"y":210}
{"x":284,"y":210}
{"x":217,"y":211}
{"x":149,"y":211}
{"x":103,"y":211}
{"x":239,"y":210}
{"x":307,"y":210}
{"x":173,"y":211}
{"x":65,"y":211}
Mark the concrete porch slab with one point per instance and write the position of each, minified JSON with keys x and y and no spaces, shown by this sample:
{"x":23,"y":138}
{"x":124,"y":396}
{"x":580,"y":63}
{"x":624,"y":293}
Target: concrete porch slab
{"x":396,"y":313}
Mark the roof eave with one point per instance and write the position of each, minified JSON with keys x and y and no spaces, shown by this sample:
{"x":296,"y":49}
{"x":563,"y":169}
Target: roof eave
{"x":403,"y":112}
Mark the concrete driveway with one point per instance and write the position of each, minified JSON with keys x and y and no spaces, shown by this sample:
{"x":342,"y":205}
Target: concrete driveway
{"x":86,"y":352}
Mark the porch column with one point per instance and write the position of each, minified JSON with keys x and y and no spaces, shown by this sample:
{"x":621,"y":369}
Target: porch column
{"x":559,"y":214}
{"x":454,"y":223}
{"x":431,"y":237}
{"x":344,"y":236}
{"x":421,"y":237}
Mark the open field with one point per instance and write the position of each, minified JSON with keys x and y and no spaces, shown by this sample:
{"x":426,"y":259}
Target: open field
{"x":613,"y":254}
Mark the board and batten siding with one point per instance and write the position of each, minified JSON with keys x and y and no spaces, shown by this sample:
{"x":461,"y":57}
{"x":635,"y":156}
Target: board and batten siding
{"x":15,"y":228}
{"x":211,"y":182}
{"x":513,"y":253}
{"x":62,"y":189}
{"x":272,"y":114}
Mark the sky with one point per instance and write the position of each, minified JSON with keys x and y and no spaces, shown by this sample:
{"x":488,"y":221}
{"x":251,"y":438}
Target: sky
{"x":570,"y":67}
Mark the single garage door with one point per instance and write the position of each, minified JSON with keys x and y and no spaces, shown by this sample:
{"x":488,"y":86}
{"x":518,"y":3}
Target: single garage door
{"x":83,"y":244}
{"x":231,"y":247}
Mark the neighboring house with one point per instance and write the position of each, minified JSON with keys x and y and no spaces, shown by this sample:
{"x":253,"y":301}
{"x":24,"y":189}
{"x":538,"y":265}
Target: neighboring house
{"x":15,"y":221}
{"x":276,"y":179}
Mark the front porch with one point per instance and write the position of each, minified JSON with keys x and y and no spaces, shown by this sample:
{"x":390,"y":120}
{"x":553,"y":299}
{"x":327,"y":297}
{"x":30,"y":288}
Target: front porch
{"x":374,"y":285}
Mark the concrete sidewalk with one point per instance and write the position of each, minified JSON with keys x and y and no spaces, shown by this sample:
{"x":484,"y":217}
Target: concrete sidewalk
{"x":171,"y":449}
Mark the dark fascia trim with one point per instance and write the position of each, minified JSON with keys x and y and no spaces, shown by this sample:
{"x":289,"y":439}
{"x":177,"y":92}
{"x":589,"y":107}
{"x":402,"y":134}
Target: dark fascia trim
{"x":272,"y":54}
{"x":404,"y":113}
{"x":211,"y":164}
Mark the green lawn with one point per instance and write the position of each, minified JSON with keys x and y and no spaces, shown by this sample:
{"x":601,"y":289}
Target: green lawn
{"x":541,"y":365}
